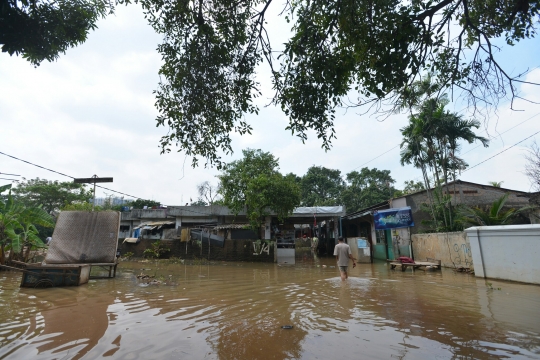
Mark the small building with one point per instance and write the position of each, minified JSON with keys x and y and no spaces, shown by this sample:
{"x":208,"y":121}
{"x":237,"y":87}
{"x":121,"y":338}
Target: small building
{"x":390,"y":244}
{"x":219,"y":224}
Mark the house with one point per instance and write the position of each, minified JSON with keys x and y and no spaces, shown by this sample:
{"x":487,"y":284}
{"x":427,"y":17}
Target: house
{"x":203,"y":226}
{"x":534,"y":201}
{"x":391,"y":243}
{"x":164,"y":223}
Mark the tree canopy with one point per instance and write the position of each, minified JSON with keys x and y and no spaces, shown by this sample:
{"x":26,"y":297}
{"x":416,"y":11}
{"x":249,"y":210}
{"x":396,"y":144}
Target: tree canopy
{"x":40,"y":30}
{"x":141,"y":203}
{"x":208,"y":194}
{"x":367,"y":187}
{"x":51,"y":195}
{"x":340,"y":53}
{"x":255,"y":184}
{"x":321,"y":186}
{"x":412,"y":186}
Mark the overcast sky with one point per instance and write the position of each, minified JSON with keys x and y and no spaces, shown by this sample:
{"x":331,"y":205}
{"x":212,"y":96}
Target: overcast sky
{"x":92,"y":112}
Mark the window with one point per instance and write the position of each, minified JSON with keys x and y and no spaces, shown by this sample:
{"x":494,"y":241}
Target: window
{"x":381,"y":236}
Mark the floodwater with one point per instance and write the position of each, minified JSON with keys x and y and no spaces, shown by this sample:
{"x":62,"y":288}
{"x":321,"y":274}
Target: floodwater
{"x":237,"y":310}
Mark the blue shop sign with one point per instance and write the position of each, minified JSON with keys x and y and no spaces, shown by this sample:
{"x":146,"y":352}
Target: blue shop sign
{"x":393,"y":218}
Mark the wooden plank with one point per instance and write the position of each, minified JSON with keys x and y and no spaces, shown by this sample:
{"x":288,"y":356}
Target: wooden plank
{"x":416,"y":265}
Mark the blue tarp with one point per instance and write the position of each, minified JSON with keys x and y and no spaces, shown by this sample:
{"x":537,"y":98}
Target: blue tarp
{"x":393,"y":218}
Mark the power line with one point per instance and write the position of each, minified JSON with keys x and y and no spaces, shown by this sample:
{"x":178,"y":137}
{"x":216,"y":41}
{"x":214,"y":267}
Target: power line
{"x":376,"y":157}
{"x":386,"y":152}
{"x":39,"y":166}
{"x":528,"y":137}
{"x":504,"y":132}
{"x":69,"y":176}
{"x":494,"y":137}
{"x":102,"y":187}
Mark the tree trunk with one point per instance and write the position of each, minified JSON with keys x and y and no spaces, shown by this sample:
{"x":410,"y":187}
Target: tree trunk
{"x":430,"y":198}
{"x":26,"y":254}
{"x":2,"y":255}
{"x":438,"y":186}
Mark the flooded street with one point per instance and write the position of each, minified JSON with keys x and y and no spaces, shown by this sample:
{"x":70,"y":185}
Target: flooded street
{"x":237,"y":310}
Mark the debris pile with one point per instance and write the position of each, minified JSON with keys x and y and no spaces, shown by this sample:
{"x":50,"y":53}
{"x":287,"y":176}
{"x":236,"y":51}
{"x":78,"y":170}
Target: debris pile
{"x":151,"y":280}
{"x":464,"y":270}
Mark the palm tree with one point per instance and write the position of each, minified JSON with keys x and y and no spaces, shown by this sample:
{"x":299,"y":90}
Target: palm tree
{"x":455,"y":129}
{"x":432,"y":141}
{"x":494,"y":215}
{"x":413,"y":151}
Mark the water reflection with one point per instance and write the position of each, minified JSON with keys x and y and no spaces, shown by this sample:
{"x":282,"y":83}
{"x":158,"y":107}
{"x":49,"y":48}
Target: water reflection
{"x":236,"y":311}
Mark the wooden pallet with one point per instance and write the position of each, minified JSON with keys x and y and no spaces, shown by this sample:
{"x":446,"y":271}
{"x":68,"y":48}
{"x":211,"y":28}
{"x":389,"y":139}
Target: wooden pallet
{"x":430,"y":264}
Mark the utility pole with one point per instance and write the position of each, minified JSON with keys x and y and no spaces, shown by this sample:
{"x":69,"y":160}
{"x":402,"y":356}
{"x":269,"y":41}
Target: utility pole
{"x":93,"y":180}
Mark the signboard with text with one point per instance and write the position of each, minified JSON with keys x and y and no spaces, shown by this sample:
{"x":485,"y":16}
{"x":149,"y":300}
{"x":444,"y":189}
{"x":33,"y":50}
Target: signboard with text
{"x":393,"y":218}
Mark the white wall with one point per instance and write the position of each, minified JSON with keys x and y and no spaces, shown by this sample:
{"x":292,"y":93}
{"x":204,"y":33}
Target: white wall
{"x":398,"y":203}
{"x":506,"y":252}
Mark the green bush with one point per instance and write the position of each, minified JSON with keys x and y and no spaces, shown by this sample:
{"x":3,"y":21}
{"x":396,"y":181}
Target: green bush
{"x":157,"y":249}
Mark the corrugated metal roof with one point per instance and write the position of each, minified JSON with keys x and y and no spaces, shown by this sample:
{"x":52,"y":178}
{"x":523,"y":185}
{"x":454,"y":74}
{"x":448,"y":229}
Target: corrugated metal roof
{"x":151,"y":225}
{"x":232,"y":226}
{"x":160,"y":223}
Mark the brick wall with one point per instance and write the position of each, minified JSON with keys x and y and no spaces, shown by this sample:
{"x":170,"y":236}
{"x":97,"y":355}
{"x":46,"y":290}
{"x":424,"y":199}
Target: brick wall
{"x":473,"y":196}
{"x":234,"y":250}
{"x":470,"y":195}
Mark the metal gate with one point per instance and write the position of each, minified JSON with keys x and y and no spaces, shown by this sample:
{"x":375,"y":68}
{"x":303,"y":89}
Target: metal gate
{"x":286,"y":251}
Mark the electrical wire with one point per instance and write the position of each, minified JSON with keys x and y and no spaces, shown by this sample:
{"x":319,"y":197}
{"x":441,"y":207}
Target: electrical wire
{"x":494,"y":137}
{"x":375,"y":158}
{"x":99,"y":186}
{"x":528,"y":137}
{"x":69,"y":176}
{"x":504,"y":132}
{"x":39,"y":166}
{"x":386,"y":152}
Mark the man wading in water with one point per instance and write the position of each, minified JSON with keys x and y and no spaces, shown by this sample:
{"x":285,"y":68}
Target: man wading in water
{"x":343,"y":253}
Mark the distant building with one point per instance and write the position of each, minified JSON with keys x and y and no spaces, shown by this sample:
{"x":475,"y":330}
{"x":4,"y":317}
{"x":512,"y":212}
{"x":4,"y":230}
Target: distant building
{"x":114,"y":201}
{"x":166,"y":223}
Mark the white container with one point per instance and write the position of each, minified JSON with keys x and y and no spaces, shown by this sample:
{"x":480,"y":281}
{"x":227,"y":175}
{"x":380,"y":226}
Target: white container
{"x":510,"y":252}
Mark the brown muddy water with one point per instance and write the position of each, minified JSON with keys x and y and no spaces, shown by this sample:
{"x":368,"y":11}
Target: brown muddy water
{"x":237,"y":310}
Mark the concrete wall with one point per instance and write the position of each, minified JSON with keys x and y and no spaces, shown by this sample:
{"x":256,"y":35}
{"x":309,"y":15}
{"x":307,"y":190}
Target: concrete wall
{"x":453,"y":249}
{"x":506,"y":252}
{"x":362,"y":255}
{"x":401,"y":240}
{"x":234,"y":250}
{"x":398,"y":203}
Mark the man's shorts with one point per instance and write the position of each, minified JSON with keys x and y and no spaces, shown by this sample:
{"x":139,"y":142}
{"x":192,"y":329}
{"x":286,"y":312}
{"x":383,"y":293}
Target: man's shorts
{"x":343,"y":268}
